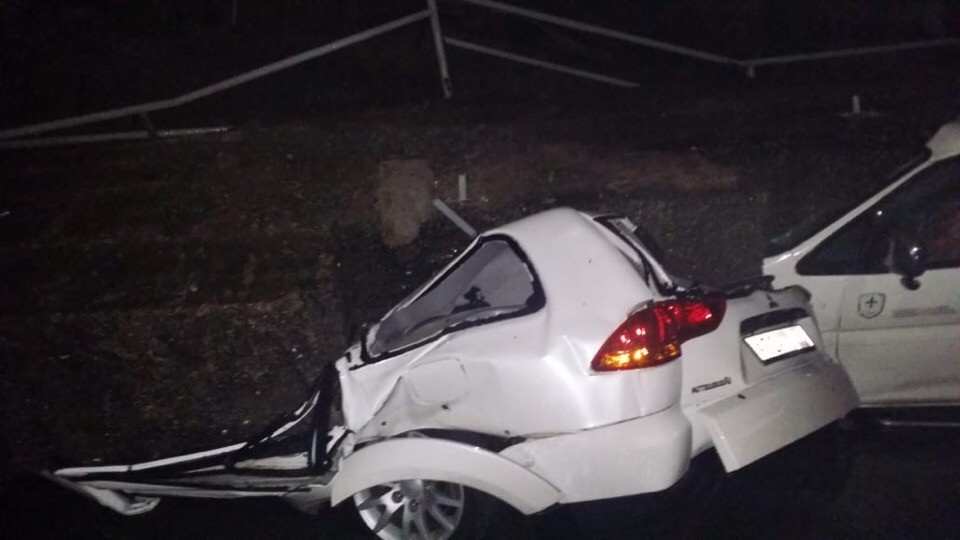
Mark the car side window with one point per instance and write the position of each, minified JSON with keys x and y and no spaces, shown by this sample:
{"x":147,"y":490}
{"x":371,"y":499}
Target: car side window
{"x":926,"y":207}
{"x":491,"y":283}
{"x":936,"y":222}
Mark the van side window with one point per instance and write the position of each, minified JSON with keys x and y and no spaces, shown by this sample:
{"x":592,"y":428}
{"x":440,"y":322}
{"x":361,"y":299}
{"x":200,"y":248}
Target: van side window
{"x":941,"y":234}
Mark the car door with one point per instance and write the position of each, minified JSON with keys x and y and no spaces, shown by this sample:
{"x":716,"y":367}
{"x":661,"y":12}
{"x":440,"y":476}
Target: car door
{"x":899,"y":341}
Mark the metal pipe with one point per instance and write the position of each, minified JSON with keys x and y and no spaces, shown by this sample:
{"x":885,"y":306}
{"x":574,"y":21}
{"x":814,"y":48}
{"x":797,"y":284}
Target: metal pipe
{"x":441,"y":52}
{"x":539,"y":63}
{"x":40,"y":142}
{"x":599,"y":30}
{"x":455,"y":218}
{"x":891,"y":423}
{"x":842,"y":53}
{"x":216,"y":87}
{"x":462,"y":188}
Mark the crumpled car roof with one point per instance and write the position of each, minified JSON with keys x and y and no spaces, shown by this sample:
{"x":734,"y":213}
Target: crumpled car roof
{"x":589,"y":284}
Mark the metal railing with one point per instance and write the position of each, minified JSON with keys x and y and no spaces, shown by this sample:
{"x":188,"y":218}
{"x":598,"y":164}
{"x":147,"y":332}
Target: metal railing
{"x":601,"y":31}
{"x":14,"y":138}
{"x":748,"y":65}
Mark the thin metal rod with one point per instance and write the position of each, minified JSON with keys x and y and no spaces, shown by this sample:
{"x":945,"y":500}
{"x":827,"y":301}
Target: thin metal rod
{"x":441,"y":52}
{"x":454,"y":217}
{"x":599,"y":30}
{"x":887,"y":422}
{"x":842,"y":53}
{"x":216,"y":87}
{"x":40,"y":142}
{"x":539,"y":63}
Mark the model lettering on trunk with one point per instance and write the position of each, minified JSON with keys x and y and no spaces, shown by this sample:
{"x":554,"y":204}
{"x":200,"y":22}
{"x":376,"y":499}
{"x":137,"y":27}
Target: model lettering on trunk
{"x":711,"y":385}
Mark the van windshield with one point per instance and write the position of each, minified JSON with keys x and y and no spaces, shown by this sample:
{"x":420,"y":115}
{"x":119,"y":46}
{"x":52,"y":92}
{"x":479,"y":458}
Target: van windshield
{"x":830,"y":211}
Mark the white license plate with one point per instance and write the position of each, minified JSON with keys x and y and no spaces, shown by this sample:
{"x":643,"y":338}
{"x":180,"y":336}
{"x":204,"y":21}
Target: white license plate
{"x":778,"y":343}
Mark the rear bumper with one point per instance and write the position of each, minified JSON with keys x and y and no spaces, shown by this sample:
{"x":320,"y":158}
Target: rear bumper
{"x":770,"y":415}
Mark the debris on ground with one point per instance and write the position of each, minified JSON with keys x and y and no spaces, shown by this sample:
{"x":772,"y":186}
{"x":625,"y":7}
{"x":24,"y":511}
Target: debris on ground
{"x":403,"y":199}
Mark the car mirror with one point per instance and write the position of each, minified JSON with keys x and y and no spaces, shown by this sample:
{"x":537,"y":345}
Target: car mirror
{"x":909,"y":259}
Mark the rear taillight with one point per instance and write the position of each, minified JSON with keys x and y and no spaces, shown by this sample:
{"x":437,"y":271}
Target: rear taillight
{"x":652,"y":336}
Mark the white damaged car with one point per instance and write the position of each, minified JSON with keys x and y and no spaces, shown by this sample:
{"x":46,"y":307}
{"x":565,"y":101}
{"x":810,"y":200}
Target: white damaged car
{"x":554,"y":361}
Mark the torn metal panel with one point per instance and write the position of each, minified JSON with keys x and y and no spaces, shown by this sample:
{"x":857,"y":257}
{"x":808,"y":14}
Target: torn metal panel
{"x":540,"y":382}
{"x":770,"y":415}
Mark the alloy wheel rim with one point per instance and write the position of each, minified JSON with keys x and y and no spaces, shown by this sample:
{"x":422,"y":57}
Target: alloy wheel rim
{"x":409,"y":509}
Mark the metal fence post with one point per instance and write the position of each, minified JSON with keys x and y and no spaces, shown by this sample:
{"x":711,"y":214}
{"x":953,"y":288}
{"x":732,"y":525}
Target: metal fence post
{"x":441,"y":51}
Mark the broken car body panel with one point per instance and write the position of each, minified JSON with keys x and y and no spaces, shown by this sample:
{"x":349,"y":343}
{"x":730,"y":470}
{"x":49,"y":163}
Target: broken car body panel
{"x":489,"y":365}
{"x":768,"y":416}
{"x":526,"y":374}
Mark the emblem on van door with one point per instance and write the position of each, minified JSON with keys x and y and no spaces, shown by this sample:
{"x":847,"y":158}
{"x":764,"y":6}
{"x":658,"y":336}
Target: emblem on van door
{"x":870,"y":304}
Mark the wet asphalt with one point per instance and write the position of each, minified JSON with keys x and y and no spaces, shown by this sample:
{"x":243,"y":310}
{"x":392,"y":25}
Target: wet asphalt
{"x":863,"y":483}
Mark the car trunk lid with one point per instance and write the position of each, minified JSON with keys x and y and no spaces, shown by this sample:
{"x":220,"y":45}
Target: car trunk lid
{"x":781,"y":387}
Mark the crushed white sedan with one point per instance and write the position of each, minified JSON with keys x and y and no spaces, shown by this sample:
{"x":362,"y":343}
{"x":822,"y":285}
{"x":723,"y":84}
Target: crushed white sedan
{"x":554,"y":361}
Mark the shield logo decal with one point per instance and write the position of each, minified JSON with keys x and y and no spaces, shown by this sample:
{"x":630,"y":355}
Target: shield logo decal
{"x":870,"y":305}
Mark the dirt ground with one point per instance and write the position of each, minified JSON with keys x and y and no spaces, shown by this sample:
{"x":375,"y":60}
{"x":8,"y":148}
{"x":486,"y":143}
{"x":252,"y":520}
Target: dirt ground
{"x":157,"y":297}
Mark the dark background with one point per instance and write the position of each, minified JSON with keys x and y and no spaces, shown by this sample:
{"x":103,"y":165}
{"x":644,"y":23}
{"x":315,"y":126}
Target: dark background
{"x":161,"y":296}
{"x":61,"y":58}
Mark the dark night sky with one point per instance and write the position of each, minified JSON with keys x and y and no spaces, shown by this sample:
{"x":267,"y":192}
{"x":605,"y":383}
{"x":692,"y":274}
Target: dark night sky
{"x":61,"y":57}
{"x":877,"y":19}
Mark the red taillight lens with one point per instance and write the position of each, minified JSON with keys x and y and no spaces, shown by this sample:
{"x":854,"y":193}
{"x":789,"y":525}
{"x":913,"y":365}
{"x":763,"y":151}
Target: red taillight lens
{"x":652,"y":336}
{"x":699,"y":317}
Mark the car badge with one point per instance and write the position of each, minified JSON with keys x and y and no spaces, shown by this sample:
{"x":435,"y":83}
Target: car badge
{"x":870,"y":305}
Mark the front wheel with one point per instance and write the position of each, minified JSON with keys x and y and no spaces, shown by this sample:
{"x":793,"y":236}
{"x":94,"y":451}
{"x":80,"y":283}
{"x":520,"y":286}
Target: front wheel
{"x":423,"y":509}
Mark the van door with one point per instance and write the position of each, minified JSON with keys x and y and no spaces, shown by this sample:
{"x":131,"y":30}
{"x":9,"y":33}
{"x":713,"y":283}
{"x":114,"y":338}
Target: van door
{"x":900,"y":345}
